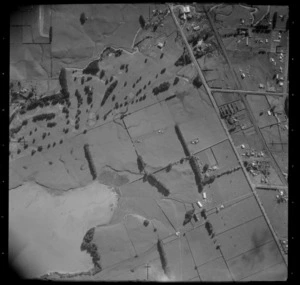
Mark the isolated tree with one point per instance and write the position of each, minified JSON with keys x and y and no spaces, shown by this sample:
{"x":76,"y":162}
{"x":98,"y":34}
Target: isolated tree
{"x":142,"y":21}
{"x":197,"y":82}
{"x":274,"y":20}
{"x":83,"y":18}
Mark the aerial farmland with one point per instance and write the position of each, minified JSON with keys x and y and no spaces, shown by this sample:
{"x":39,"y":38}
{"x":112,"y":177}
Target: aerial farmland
{"x":148,"y":142}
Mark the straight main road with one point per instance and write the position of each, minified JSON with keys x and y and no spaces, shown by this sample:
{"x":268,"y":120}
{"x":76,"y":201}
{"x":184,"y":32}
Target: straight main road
{"x":248,"y":92}
{"x":244,"y":99}
{"x":208,"y":90}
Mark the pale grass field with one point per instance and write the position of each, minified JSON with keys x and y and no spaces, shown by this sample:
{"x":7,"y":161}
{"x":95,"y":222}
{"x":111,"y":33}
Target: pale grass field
{"x":46,"y":231}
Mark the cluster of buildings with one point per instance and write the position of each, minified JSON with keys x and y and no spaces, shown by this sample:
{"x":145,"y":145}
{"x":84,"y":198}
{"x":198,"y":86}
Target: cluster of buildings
{"x":157,"y":19}
{"x":278,"y":77}
{"x":252,"y":152}
{"x":234,"y":120}
{"x":228,"y":110}
{"x":281,"y":197}
{"x":185,"y":14}
{"x":257,"y":167}
{"x":200,"y":46}
{"x":284,"y":245}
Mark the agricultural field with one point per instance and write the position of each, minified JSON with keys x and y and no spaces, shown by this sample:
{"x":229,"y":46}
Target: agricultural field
{"x":225,"y":98}
{"x":120,"y":166}
{"x":260,"y":107}
{"x":276,"y":137}
{"x":278,"y":212}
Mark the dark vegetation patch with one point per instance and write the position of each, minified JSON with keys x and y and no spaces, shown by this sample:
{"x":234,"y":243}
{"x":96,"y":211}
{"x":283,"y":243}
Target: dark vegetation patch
{"x":92,"y":68}
{"x":183,"y":60}
{"x":181,"y":140}
{"x":176,"y":80}
{"x":162,"y":256}
{"x":158,"y":185}
{"x":188,"y":216}
{"x":163,"y":71}
{"x":51,"y":124}
{"x":91,"y":248}
{"x":192,"y":160}
{"x":197,"y":173}
{"x":15,"y":130}
{"x":161,"y":88}
{"x":169,"y":167}
{"x":170,"y":97}
{"x":90,"y":161}
{"x":79,"y":98}
{"x":197,"y":82}
{"x":209,"y":227}
{"x":82,"y":18}
{"x":25,"y":122}
{"x":118,"y":53}
{"x":102,"y":73}
{"x":88,"y":91}
{"x":140,"y":163}
{"x":63,"y":81}
{"x":45,"y":116}
{"x":105,"y":116}
{"x":203,"y":214}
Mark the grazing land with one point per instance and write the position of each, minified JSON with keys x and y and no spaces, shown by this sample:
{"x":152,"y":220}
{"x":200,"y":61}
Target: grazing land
{"x":149,"y":142}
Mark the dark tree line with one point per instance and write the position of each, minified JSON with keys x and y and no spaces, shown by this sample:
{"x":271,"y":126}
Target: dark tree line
{"x":108,"y":91}
{"x":142,"y":21}
{"x":41,"y":117}
{"x":161,"y":88}
{"x":274,"y":20}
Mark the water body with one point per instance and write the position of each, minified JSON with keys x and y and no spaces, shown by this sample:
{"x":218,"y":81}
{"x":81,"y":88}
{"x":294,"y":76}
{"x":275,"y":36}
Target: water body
{"x":46,"y":230}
